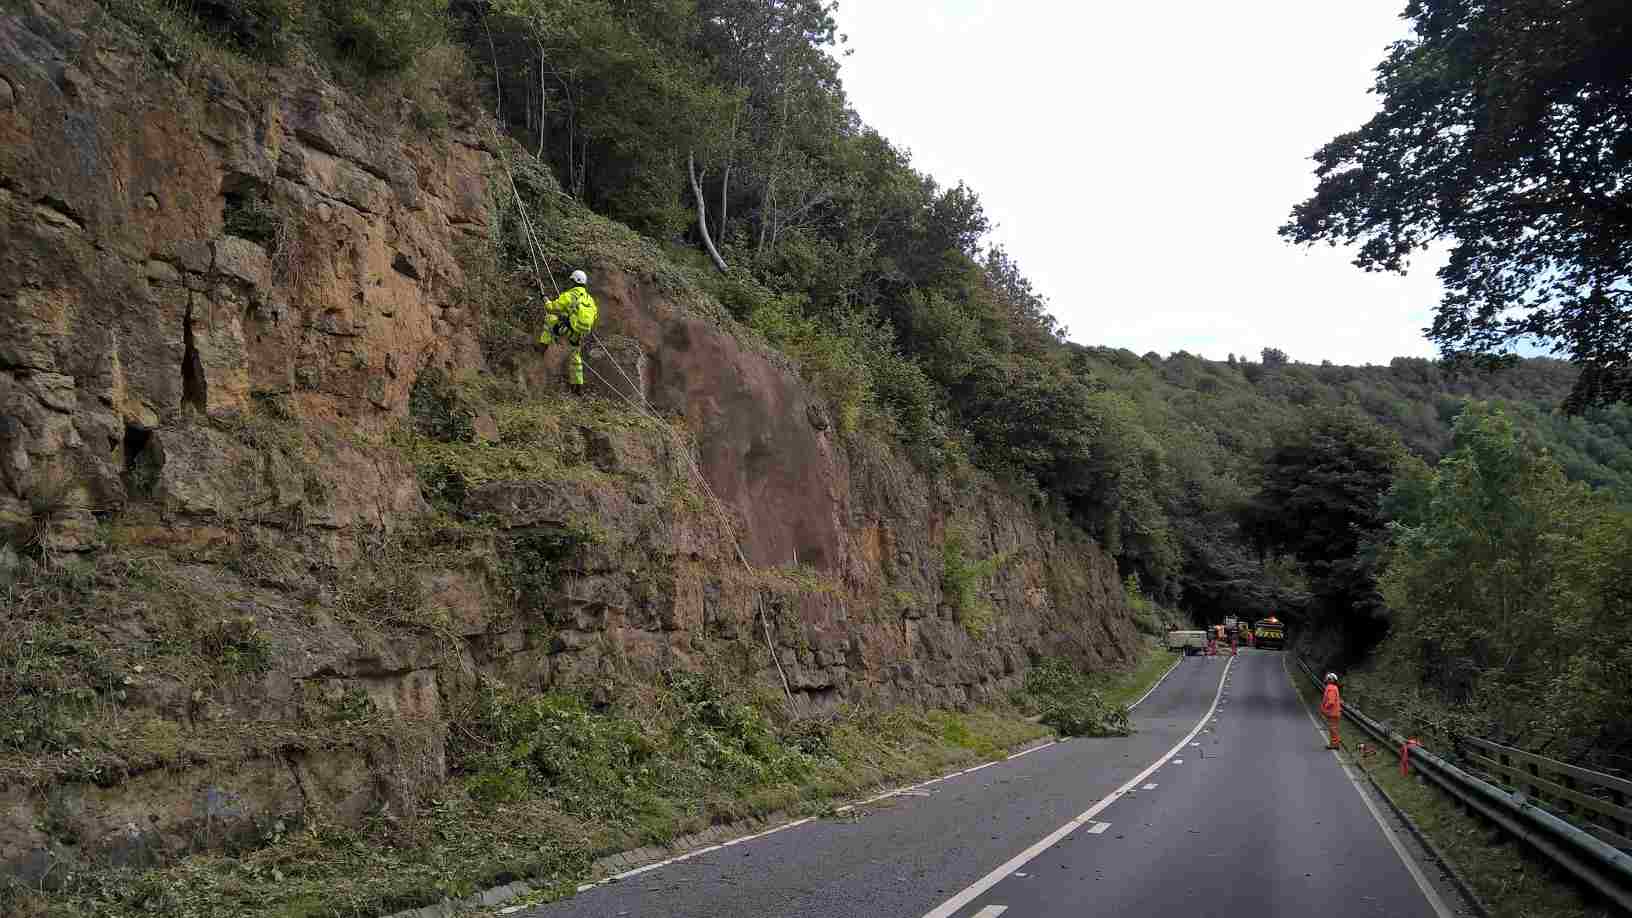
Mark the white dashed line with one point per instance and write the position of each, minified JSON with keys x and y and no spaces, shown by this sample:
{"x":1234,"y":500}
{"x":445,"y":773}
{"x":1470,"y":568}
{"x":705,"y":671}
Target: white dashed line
{"x":950,"y":907}
{"x":1178,"y":761}
{"x":1148,"y":787}
{"x":1098,"y":828}
{"x":991,"y":911}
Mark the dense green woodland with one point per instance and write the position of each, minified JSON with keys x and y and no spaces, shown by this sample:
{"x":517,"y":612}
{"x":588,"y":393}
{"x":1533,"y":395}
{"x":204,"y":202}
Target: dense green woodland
{"x":1449,"y":509}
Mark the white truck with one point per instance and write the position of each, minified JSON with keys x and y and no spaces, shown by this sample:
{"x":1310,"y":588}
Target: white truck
{"x":1191,"y":642}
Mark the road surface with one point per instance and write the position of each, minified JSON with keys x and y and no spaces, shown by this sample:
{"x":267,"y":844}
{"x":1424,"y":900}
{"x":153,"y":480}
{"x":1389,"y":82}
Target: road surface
{"x":1223,"y":802}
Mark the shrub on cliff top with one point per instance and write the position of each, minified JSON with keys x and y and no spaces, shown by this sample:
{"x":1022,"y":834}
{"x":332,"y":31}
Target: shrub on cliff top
{"x":372,"y":36}
{"x":379,"y":36}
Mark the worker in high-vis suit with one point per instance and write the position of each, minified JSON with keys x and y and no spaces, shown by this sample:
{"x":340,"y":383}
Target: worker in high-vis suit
{"x":1331,"y":705}
{"x":570,"y":317}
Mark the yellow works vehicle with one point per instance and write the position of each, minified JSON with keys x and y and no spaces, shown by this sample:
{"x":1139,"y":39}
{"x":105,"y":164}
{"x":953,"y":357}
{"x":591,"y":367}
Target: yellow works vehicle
{"x":1269,"y":633}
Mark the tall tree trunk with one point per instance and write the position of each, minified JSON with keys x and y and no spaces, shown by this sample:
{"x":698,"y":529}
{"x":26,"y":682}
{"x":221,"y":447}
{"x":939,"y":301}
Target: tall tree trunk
{"x":544,"y":105}
{"x":725,"y":183}
{"x":765,"y":212}
{"x":725,"y":188}
{"x":702,"y":212}
{"x":767,"y":208}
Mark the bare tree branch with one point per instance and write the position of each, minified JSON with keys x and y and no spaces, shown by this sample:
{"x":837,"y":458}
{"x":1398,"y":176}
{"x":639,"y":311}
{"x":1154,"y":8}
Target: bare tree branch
{"x":702,"y":212}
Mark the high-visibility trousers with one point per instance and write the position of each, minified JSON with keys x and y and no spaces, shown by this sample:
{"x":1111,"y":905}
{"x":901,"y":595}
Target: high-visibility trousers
{"x":1331,"y":729}
{"x":561,"y":330}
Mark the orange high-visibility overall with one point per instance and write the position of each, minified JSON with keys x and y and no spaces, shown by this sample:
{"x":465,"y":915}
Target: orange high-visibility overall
{"x":1332,"y":706}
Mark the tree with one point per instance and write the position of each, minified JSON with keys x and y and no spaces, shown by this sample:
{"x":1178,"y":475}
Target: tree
{"x":1509,"y":585}
{"x":778,"y":54}
{"x":634,"y":102}
{"x":1321,"y":503}
{"x":1274,"y":357}
{"x":1506,"y":129}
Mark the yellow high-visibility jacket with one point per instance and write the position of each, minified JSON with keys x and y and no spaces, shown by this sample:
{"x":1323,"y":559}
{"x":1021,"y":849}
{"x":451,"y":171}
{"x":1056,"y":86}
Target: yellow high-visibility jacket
{"x":579,"y":308}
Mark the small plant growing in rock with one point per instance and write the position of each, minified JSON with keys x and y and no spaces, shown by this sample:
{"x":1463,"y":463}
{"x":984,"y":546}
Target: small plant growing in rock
{"x":960,"y":583}
{"x":1146,"y":616}
{"x":439,"y":410}
{"x":534,"y":561}
{"x":238,"y":645}
{"x":249,"y":215}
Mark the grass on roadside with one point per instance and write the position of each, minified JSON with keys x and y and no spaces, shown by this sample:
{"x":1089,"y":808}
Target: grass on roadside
{"x":1126,"y":688}
{"x":1512,"y":881}
{"x":541,"y":786}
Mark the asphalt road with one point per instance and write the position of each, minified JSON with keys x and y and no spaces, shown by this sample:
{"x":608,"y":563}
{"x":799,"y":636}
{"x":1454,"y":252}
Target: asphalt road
{"x":1223,"y":802}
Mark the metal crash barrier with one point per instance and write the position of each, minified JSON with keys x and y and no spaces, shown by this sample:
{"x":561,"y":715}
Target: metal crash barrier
{"x":1598,"y":863}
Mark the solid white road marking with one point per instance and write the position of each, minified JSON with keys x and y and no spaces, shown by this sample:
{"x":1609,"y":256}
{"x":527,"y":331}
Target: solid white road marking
{"x":991,"y":911}
{"x":1148,"y":787}
{"x":1428,"y":890}
{"x":850,"y":806}
{"x":691,"y":854}
{"x":1098,"y":828}
{"x":914,"y":790}
{"x":1158,"y":684}
{"x":1030,"y":751}
{"x":949,"y":907}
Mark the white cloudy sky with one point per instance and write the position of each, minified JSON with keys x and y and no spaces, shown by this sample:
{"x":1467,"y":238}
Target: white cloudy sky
{"x":1138,"y":158}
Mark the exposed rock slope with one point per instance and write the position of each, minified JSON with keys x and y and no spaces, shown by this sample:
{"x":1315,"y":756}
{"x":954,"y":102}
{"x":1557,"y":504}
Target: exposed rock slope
{"x":218,"y":289}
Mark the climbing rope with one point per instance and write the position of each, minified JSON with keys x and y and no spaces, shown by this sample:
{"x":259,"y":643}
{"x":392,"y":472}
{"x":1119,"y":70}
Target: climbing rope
{"x":541,"y":269}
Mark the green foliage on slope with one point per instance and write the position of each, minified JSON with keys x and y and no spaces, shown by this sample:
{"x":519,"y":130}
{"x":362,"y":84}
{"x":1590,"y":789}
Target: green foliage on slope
{"x":1508,"y":585}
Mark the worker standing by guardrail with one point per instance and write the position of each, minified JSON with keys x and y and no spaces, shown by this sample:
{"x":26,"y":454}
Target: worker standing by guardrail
{"x":1332,"y":706}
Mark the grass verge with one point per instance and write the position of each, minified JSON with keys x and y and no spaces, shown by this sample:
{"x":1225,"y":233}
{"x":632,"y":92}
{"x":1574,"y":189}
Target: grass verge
{"x":541,"y":786}
{"x":1510,"y":880}
{"x":1126,"y":688}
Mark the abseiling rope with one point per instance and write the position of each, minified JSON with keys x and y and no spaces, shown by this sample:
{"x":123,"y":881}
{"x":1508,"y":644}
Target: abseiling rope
{"x":541,"y":269}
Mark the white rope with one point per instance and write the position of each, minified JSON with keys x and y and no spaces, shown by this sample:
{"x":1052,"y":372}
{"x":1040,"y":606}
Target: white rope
{"x":541,"y":268}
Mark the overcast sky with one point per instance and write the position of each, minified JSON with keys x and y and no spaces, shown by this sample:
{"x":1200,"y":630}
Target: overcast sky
{"x":1137,"y":159}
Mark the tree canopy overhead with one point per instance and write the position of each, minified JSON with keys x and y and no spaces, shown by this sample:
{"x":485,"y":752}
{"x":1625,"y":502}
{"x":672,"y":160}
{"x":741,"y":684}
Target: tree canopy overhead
{"x":1506,"y":130}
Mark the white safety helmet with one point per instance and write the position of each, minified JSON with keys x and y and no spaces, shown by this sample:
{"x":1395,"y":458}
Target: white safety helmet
{"x":1331,"y":677}
{"x":580,"y":278}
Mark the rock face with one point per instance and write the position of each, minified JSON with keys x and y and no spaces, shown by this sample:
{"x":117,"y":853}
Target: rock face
{"x":164,"y":251}
{"x":215,"y":297}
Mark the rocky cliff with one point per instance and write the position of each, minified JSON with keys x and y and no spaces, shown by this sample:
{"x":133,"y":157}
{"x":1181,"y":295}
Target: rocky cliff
{"x":255,"y":472}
